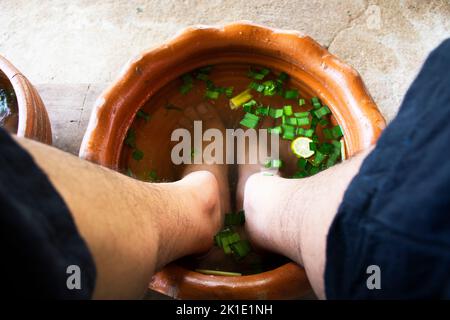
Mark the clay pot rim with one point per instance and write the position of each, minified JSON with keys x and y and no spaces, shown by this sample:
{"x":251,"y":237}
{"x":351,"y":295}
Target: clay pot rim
{"x":19,"y":86}
{"x":33,"y":121}
{"x":350,"y":86}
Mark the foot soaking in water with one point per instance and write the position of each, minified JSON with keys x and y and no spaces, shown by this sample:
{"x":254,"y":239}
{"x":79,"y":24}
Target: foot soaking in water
{"x":298,"y":138}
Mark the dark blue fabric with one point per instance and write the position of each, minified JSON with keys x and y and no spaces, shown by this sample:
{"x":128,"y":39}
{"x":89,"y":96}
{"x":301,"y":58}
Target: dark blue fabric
{"x":38,"y":237}
{"x":396,"y":211}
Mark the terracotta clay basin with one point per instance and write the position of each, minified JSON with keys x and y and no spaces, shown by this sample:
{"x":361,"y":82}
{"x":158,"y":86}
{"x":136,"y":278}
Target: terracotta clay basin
{"x":32,"y":120}
{"x":313,"y":70}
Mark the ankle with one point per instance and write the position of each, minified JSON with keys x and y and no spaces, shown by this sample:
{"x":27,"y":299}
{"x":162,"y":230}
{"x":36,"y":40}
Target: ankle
{"x":203,"y":188}
{"x":261,"y":205}
{"x":202,"y":208}
{"x":270,"y":220}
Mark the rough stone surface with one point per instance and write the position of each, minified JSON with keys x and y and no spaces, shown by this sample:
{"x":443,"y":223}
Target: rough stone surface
{"x":389,"y":55}
{"x":87,"y":41}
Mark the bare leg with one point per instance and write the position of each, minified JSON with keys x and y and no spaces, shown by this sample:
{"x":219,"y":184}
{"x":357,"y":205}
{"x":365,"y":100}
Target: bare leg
{"x":292,"y":216}
{"x":209,"y":117}
{"x":247,"y":169}
{"x":210,"y":120}
{"x":132,"y":228}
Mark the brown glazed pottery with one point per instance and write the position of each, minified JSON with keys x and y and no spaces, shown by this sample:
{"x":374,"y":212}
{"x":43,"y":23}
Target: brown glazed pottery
{"x":319,"y":72}
{"x":33,"y":121}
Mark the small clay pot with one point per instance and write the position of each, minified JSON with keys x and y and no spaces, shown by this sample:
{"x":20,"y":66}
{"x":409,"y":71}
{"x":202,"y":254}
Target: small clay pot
{"x":320,"y":73}
{"x":33,"y":121}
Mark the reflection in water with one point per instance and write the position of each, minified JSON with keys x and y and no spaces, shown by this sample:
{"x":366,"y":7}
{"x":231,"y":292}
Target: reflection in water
{"x":8,"y":105}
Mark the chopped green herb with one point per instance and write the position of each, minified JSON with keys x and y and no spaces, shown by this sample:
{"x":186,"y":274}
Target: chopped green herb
{"x":210,"y":85}
{"x":212,"y":94}
{"x":187,"y":83}
{"x":314,"y":121}
{"x":305,"y":132}
{"x":218,"y":273}
{"x":258,"y":75}
{"x":205,"y":70}
{"x":319,"y":113}
{"x":152,"y":176}
{"x":222,"y":234}
{"x":318,"y":158}
{"x":248,"y":105}
{"x":240,"y":99}
{"x":300,"y":174}
{"x":301,"y":114}
{"x":336,"y":132}
{"x":333,"y":133}
{"x":185,"y":88}
{"x":229,"y":92}
{"x":326,"y":148}
{"x":283,"y":76}
{"x":137,"y":154}
{"x":332,"y":159}
{"x":288,"y":132}
{"x":315,"y":100}
{"x":170,"y":106}
{"x":336,"y":144}
{"x":193,"y":153}
{"x":269,"y":88}
{"x":276,"y":113}
{"x":202,"y":76}
{"x":130,"y":140}
{"x":274,"y":164}
{"x":235,"y":219}
{"x":229,"y":240}
{"x":291,"y":121}
{"x":301,"y":163}
{"x":264,"y":111}
{"x":257,"y":86}
{"x":327,"y":134}
{"x":291,"y":94}
{"x":324,"y":122}
{"x":315,"y":138}
{"x":143,"y":115}
{"x":288,"y":110}
{"x":301,"y":102}
{"x":275,"y":130}
{"x":264,"y":71}
{"x":241,"y":248}
{"x":302,"y":121}
{"x":250,"y":120}
{"x":130,"y":173}
{"x":314,"y":170}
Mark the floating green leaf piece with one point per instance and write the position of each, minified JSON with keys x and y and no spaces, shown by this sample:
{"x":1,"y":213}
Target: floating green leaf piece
{"x":130,"y":139}
{"x":143,"y":115}
{"x":137,"y":155}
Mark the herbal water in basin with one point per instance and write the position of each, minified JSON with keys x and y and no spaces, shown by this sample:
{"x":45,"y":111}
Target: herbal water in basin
{"x":244,"y":96}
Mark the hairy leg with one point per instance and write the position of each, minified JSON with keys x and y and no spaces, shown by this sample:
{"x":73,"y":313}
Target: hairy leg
{"x":132,"y":228}
{"x":292,"y":216}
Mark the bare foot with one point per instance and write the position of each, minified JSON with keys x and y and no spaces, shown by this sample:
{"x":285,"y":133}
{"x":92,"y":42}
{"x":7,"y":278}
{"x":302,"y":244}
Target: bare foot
{"x":210,"y":120}
{"x":247,"y":169}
